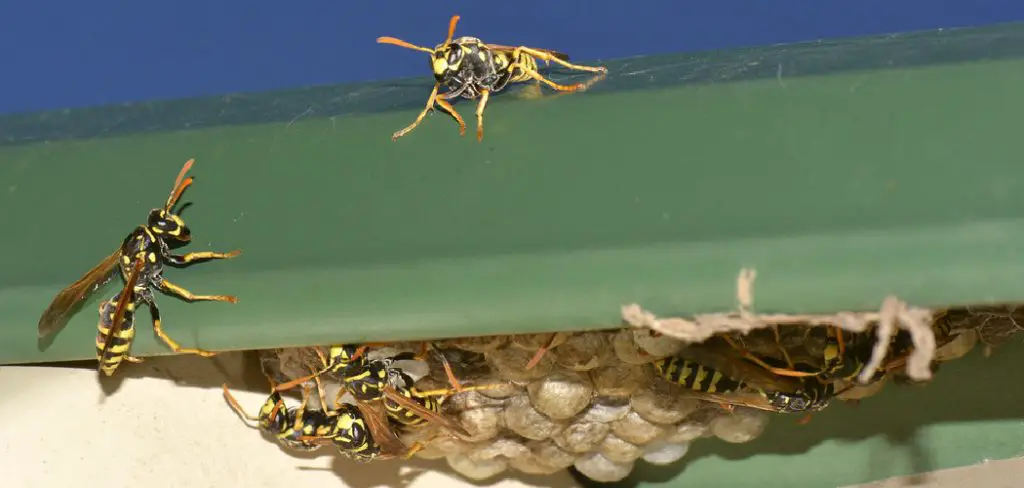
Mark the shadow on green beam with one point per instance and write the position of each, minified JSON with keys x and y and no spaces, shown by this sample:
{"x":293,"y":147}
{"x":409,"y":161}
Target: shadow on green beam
{"x":781,"y":62}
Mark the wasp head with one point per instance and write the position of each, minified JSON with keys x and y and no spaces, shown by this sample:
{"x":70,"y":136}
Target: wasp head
{"x":164,"y":224}
{"x":447,"y":59}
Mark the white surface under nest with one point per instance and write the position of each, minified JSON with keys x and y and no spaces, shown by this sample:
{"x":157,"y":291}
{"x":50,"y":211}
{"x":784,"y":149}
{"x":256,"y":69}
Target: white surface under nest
{"x":165,"y":424}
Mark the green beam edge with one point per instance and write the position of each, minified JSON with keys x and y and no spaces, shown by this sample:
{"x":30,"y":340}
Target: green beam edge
{"x":841,"y":182}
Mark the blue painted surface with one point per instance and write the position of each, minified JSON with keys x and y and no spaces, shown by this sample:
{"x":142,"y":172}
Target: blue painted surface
{"x":68,"y":53}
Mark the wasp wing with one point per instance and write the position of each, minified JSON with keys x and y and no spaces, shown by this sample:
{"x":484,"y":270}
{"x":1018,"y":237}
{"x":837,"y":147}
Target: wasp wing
{"x":380,"y":429}
{"x":428,"y":415}
{"x":729,"y":362}
{"x":739,"y":398}
{"x":510,"y":49}
{"x":56,"y":316}
{"x":126,"y":296}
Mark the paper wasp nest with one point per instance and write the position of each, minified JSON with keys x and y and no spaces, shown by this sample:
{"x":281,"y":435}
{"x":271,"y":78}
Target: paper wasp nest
{"x":595,"y":401}
{"x":592,"y":401}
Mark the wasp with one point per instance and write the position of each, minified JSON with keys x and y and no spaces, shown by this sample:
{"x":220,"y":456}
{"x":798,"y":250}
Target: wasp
{"x":471,"y":69}
{"x":140,"y":258}
{"x":382,"y":393}
{"x":846,"y":354}
{"x":712,"y":375}
{"x":291,"y":426}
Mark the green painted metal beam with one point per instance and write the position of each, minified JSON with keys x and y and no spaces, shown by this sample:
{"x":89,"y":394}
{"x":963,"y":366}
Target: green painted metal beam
{"x":843,"y":171}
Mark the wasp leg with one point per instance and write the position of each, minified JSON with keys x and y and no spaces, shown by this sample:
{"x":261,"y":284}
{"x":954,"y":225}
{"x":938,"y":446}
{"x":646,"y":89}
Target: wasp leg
{"x":430,"y":106}
{"x":452,"y":379}
{"x":413,"y":449}
{"x":452,"y":391}
{"x":133,"y":359}
{"x":154,"y":311}
{"x":485,"y":94}
{"x":442,"y":101}
{"x":297,"y":426}
{"x":198,"y":257}
{"x":172,"y":289}
{"x":321,"y":393}
{"x":235,"y":406}
{"x":539,"y":77}
{"x":450,"y":374}
{"x":760,"y":362}
{"x":785,"y":353}
{"x":540,"y":352}
{"x":842,"y":343}
{"x":548,"y":57}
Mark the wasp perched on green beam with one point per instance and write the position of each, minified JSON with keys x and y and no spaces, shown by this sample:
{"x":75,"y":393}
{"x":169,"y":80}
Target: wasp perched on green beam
{"x":471,"y":69}
{"x":141,"y":259}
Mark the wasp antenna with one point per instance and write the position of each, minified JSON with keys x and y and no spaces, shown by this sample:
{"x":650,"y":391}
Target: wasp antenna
{"x":184,"y":169}
{"x":180,"y":184}
{"x":451,"y":29}
{"x":401,"y":43}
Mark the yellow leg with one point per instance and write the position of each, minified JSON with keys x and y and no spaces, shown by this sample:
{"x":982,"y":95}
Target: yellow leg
{"x":485,"y":94}
{"x":322,"y":394}
{"x":450,"y":391}
{"x":447,"y":107}
{"x":416,"y":447}
{"x":539,"y":77}
{"x":842,"y":343}
{"x":155,"y":312}
{"x":419,"y":118}
{"x":133,"y":359}
{"x":233,"y":403}
{"x":548,"y":57}
{"x":203,"y":256}
{"x":301,"y":410}
{"x":171,"y":288}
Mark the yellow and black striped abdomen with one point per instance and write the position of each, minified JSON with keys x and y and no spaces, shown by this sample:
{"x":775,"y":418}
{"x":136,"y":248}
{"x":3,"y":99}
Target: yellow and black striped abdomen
{"x":695,"y":376}
{"x":520,"y":75}
{"x":405,"y":417}
{"x":122,"y":341}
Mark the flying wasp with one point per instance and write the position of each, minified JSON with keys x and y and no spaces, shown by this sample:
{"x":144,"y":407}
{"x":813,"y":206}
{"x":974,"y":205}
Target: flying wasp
{"x":471,"y":69}
{"x":141,"y":259}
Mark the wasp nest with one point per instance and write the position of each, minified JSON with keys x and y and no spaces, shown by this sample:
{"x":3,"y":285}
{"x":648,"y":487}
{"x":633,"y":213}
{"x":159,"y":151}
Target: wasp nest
{"x":600,"y":401}
{"x":591,"y":400}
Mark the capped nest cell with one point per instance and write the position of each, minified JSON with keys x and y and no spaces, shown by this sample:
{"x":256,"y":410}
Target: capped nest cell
{"x":602,"y":400}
